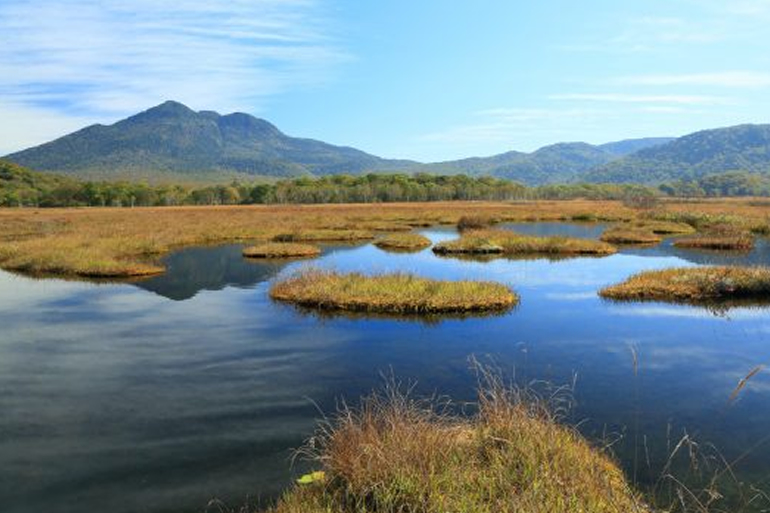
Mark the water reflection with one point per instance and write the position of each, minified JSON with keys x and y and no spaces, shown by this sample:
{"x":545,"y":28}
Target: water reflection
{"x":116,"y":399}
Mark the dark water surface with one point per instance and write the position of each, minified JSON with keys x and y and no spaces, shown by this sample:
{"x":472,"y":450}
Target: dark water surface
{"x":161,"y":395}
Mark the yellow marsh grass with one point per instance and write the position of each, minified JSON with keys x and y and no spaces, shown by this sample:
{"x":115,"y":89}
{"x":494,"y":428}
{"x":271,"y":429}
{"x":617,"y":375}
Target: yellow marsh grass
{"x":663,"y":227}
{"x":510,"y":243}
{"x":122,"y":242}
{"x":390,"y":293}
{"x":324,"y":235}
{"x":718,"y":242}
{"x":281,"y":250}
{"x":623,"y":234}
{"x":694,"y":284}
{"x":475,"y":222}
{"x":403,"y":242}
{"x":395,"y":454}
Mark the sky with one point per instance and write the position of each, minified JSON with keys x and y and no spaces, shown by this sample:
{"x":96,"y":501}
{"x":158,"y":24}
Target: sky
{"x":428,"y":80}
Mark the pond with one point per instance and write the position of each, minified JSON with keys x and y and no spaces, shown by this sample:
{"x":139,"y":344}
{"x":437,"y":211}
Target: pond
{"x":161,"y":395}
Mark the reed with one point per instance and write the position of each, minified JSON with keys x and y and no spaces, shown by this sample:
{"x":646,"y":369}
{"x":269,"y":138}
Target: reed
{"x":390,"y":293}
{"x":510,"y":243}
{"x":694,"y":284}
{"x":281,"y":250}
{"x":403,"y":242}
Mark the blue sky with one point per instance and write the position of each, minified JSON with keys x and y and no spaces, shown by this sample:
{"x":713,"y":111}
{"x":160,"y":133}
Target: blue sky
{"x":427,"y":80}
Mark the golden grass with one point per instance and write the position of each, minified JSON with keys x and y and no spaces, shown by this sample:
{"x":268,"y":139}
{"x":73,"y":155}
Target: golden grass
{"x":694,"y":284}
{"x":390,"y":293}
{"x":717,"y":242}
{"x":505,"y":242}
{"x":403,"y":242}
{"x":281,"y":250}
{"x":395,"y":454}
{"x":622,"y":234}
{"x":121,"y":242}
{"x":324,"y":235}
{"x":475,"y":222}
{"x":663,"y":227}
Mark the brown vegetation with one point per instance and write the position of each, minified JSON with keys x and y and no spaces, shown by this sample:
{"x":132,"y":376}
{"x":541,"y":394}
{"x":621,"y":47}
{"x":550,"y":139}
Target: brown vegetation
{"x":281,"y":250}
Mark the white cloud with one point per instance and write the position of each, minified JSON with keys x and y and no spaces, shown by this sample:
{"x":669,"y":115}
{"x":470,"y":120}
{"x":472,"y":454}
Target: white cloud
{"x":640,"y":98}
{"x":114,"y":58}
{"x":727,"y":79}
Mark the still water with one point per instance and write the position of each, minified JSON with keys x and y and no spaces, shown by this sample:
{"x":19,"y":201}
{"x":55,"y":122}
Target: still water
{"x":161,"y":395}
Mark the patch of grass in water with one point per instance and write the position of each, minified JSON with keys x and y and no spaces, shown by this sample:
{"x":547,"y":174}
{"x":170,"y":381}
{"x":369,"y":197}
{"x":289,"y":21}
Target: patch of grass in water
{"x":623,"y":234}
{"x":505,"y":242}
{"x":403,"y":242}
{"x":694,"y":285}
{"x":396,"y":453}
{"x":390,"y":293}
{"x":475,"y":222}
{"x":324,"y":235}
{"x":281,"y":250}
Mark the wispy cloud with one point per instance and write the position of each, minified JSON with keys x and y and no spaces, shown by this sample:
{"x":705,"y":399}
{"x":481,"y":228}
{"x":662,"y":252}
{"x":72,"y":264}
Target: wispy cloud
{"x":640,"y":98}
{"x":111,"y":58}
{"x":727,"y":79}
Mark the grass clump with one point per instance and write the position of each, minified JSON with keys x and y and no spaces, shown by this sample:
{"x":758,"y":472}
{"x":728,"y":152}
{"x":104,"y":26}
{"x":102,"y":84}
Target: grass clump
{"x":403,"y":242}
{"x":622,"y":234}
{"x":390,"y":293}
{"x":324,"y":235}
{"x":511,"y":243}
{"x":664,"y":227}
{"x":719,"y":237}
{"x":281,"y":250}
{"x":474,"y":222}
{"x":694,"y":284}
{"x":396,"y":454}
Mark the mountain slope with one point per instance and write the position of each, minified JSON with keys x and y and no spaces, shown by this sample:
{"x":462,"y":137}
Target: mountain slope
{"x":742,"y":147}
{"x":172,"y":138}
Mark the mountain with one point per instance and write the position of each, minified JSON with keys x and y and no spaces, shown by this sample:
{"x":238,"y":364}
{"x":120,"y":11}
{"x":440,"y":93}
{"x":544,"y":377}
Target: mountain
{"x":174,"y":141}
{"x":628,"y":146}
{"x":738,"y":148}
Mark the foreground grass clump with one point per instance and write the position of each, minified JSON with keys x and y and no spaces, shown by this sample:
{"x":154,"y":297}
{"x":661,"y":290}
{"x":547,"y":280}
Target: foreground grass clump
{"x":395,"y":455}
{"x":390,"y":293}
{"x":510,"y":243}
{"x":324,"y":235}
{"x":281,"y":250}
{"x":622,"y":234}
{"x":403,"y":242}
{"x":690,"y":284}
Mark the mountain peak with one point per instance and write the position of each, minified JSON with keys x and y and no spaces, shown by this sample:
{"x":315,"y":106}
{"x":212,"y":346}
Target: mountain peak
{"x":167,"y":109}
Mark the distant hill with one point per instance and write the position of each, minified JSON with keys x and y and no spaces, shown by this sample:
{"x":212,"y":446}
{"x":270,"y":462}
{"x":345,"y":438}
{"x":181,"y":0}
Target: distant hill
{"x":738,"y":148}
{"x":173,"y":140}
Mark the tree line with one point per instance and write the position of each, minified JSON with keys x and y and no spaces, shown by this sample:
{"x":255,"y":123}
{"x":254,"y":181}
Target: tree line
{"x":23,"y":188}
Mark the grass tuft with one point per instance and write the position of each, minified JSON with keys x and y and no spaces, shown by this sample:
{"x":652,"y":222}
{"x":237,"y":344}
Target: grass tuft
{"x":281,"y":250}
{"x":509,"y":243}
{"x":403,"y":242}
{"x":324,"y":235}
{"x":397,"y":454}
{"x":475,"y":222}
{"x":694,"y":284}
{"x":623,"y":234}
{"x":390,"y":293}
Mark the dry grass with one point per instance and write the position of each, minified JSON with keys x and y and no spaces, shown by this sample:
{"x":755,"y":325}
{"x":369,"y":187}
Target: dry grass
{"x":403,"y":242}
{"x":475,"y":222}
{"x":390,"y":293}
{"x":694,"y":284}
{"x":624,"y":234}
{"x":281,"y":250}
{"x":719,"y":237}
{"x":663,"y":227}
{"x":396,"y":454}
{"x":505,"y":242}
{"x":324,"y":235}
{"x":125,"y":242}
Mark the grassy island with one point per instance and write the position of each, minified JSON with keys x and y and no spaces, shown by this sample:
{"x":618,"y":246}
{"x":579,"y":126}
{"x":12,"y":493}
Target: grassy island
{"x":727,"y":242}
{"x":622,"y":234}
{"x":390,"y":293}
{"x":694,"y":284}
{"x":324,"y":235}
{"x":396,"y":454}
{"x":403,"y":242}
{"x":281,"y":250}
{"x":510,"y":243}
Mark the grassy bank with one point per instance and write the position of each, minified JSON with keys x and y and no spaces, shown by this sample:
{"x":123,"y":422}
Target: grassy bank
{"x":122,"y":242}
{"x":509,"y":243}
{"x":390,"y":293}
{"x":623,"y":234}
{"x":403,"y":242}
{"x":395,"y":454}
{"x":281,"y":250}
{"x":324,"y":235}
{"x":694,"y":284}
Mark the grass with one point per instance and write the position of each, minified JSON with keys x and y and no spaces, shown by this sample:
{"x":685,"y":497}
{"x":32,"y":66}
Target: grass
{"x":281,"y":250}
{"x":623,"y":234}
{"x":694,"y":284}
{"x":719,"y":237}
{"x":663,"y":227}
{"x":403,"y":242}
{"x":475,"y":222}
{"x":125,"y":242}
{"x":396,"y":454}
{"x":390,"y":293}
{"x":505,"y":242}
{"x":324,"y":235}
